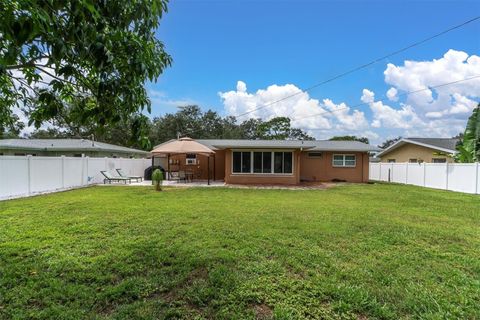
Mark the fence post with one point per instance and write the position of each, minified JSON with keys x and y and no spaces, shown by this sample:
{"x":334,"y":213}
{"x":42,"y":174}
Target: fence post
{"x":380,"y":173}
{"x":406,"y":172}
{"x":446,"y":174}
{"x":83,"y":170}
{"x":424,"y":174}
{"x":63,"y":171}
{"x":476,"y":178}
{"x":87,"y":160}
{"x":29,"y":176}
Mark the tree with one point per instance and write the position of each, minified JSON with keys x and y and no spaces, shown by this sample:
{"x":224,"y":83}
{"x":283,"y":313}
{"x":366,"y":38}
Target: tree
{"x":469,"y":146}
{"x":350,"y":138}
{"x":97,"y":54}
{"x":389,"y":142}
{"x":279,"y":128}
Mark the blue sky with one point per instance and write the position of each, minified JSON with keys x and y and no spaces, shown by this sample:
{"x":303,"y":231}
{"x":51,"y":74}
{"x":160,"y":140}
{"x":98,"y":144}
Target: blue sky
{"x":215,"y":44}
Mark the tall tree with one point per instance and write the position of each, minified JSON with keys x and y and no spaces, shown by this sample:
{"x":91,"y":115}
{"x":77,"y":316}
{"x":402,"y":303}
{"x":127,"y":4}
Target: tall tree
{"x":469,"y":146}
{"x":97,"y":53}
{"x":280,"y":128}
{"x":350,"y":138}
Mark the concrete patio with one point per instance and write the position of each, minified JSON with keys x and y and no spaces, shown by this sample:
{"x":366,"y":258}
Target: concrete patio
{"x":169,"y":183}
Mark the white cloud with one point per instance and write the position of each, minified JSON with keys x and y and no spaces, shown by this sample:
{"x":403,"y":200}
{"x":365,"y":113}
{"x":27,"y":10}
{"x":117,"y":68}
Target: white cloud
{"x":386,"y":116}
{"x":321,"y":119}
{"x":458,"y":98}
{"x":392,"y":94}
{"x":435,"y":112}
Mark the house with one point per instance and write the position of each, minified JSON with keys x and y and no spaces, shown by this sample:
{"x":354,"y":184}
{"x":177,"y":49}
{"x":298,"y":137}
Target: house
{"x":66,"y":147}
{"x":275,"y":161}
{"x":417,"y":150}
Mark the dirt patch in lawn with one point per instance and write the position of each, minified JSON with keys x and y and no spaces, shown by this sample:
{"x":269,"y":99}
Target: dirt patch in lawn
{"x":262,"y":311}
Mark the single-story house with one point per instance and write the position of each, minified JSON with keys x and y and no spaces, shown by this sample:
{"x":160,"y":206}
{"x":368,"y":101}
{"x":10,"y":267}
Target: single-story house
{"x":274,"y":161}
{"x":417,"y":150}
{"x":66,"y":147}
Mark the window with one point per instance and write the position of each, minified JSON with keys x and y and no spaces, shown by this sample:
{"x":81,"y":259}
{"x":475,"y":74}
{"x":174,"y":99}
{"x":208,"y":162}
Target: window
{"x":241,"y":162}
{"x":267,"y":162}
{"x":391,"y":160}
{"x":344,"y":160}
{"x":261,"y":162}
{"x":314,"y":154}
{"x":412,"y":160}
{"x":439,"y":160}
{"x":282,"y":162}
{"x":191,"y":158}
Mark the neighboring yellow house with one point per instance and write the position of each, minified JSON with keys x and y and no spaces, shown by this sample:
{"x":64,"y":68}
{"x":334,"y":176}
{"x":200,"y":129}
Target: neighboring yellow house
{"x":417,"y":150}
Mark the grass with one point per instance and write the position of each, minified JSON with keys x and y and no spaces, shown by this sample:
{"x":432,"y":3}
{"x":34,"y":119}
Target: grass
{"x":350,"y":252}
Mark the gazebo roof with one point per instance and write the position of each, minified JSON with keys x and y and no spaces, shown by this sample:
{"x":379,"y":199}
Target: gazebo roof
{"x":182,"y":146}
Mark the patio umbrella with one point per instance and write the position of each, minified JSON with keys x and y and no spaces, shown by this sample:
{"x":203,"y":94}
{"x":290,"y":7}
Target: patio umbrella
{"x":183,"y":146}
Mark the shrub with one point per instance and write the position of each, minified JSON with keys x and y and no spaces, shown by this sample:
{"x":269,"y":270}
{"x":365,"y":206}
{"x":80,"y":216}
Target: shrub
{"x":157,"y":178}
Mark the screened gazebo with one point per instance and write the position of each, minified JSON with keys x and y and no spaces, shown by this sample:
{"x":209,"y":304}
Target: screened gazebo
{"x":183,"y":146}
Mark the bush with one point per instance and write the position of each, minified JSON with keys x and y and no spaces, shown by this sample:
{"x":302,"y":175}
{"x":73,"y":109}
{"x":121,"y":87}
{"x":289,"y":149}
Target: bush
{"x":157,"y":178}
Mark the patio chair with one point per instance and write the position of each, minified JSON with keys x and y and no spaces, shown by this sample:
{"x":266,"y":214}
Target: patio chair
{"x":122,"y":174}
{"x":182,"y":176}
{"x":109,"y":178}
{"x":178,"y":175}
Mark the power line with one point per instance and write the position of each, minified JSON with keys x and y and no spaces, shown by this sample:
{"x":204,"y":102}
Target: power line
{"x":363,"y":66}
{"x":381,"y":100}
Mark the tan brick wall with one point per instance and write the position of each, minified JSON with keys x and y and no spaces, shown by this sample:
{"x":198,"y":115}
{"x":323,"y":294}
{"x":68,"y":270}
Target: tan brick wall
{"x":412,"y":151}
{"x":321,"y":169}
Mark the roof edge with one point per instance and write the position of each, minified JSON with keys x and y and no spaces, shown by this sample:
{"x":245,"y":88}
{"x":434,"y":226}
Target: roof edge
{"x":405,"y":140}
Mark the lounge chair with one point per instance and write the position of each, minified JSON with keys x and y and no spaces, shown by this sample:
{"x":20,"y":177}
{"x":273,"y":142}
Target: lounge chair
{"x":109,"y":178}
{"x":122,"y":174}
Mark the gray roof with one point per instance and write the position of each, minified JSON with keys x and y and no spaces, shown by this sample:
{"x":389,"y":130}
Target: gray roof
{"x":445,"y":143}
{"x":441,"y":144}
{"x":315,"y":145}
{"x":64,"y":145}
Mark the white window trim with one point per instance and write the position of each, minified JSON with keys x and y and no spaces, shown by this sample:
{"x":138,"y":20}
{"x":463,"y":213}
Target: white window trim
{"x":344,"y":165}
{"x":271,"y":173}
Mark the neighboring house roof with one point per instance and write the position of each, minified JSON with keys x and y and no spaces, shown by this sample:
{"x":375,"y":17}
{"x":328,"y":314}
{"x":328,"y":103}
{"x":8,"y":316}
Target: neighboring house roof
{"x":441,"y":144}
{"x":64,"y":145}
{"x":315,"y":145}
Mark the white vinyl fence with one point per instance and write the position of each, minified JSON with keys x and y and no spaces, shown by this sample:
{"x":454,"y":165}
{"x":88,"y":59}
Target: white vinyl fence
{"x":462,"y":177}
{"x":25,"y":176}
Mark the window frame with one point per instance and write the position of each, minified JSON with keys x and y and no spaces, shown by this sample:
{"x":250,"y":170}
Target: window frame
{"x":443,"y":160}
{"x":272,"y":162}
{"x":189,"y":160}
{"x":344,"y":165}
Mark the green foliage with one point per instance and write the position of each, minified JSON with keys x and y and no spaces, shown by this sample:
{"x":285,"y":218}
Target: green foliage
{"x":225,"y":253}
{"x":279,"y":128}
{"x":350,"y":138}
{"x":157,"y":179}
{"x":389,"y":142}
{"x":92,"y":56}
{"x":469,"y":147}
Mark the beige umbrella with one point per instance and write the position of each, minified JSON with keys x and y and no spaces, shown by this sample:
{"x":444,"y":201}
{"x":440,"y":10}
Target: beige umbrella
{"x":183,"y":146}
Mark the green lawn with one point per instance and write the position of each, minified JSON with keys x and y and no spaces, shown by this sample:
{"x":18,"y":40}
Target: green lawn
{"x":350,"y":252}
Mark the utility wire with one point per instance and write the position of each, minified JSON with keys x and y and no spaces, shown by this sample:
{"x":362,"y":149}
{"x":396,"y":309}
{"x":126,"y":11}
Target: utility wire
{"x":381,"y":100}
{"x":363,"y":66}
